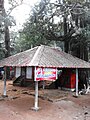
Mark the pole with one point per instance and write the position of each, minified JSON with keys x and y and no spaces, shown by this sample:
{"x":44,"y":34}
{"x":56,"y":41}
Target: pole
{"x":36,"y":108}
{"x":76,"y":82}
{"x":36,"y":95}
{"x":4,"y":91}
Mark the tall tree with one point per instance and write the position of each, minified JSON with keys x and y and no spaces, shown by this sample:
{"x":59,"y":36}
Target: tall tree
{"x":5,"y":23}
{"x":63,"y":20}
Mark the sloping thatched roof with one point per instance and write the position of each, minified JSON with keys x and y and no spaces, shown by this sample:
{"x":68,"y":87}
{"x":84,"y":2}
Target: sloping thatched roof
{"x":44,"y":56}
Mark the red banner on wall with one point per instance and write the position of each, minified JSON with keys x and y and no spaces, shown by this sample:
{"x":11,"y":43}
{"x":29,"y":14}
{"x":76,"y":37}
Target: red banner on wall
{"x":45,"y":74}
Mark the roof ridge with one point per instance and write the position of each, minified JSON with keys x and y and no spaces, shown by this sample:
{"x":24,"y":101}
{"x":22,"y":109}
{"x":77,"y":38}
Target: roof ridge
{"x":35,"y":55}
{"x":43,"y":46}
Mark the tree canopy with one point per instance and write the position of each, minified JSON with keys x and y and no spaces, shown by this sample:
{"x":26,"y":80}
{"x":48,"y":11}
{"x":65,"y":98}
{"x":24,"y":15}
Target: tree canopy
{"x":6,"y":21}
{"x":67,"y":21}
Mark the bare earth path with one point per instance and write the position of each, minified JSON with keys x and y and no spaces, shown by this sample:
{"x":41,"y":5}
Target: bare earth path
{"x":19,"y":102}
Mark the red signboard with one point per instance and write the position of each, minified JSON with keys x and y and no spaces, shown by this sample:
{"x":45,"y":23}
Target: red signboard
{"x":45,"y":73}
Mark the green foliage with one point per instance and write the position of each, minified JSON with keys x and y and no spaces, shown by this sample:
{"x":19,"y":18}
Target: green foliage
{"x":7,"y":21}
{"x":52,"y":21}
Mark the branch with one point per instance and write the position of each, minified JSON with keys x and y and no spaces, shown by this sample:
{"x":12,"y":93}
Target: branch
{"x":14,"y":5}
{"x":52,"y":36}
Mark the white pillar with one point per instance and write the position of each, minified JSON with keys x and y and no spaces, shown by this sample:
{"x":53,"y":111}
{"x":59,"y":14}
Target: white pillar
{"x":4,"y":91}
{"x":36,"y":95}
{"x":36,"y":108}
{"x":76,"y":82}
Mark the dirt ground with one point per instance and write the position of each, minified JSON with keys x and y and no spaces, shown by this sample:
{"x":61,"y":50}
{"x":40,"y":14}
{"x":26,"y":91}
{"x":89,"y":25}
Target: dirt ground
{"x":54,"y":104}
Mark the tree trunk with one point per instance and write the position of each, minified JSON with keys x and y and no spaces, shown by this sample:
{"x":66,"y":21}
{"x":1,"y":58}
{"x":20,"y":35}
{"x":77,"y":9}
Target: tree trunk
{"x":85,"y":54}
{"x":7,"y":49}
{"x":7,"y":42}
{"x":66,"y":43}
